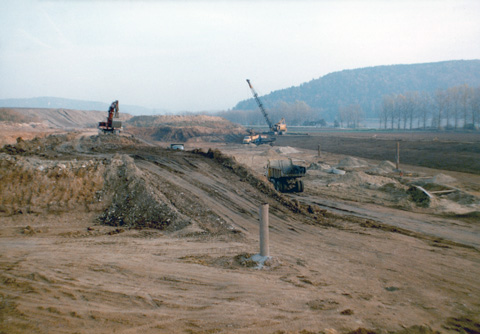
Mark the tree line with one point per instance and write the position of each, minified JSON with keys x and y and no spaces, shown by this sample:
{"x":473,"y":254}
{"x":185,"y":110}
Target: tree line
{"x":453,"y":108}
{"x":298,"y":113}
{"x":457,"y":107}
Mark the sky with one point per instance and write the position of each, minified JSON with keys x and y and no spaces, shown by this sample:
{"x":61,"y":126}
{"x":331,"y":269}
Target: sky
{"x":195,"y":55}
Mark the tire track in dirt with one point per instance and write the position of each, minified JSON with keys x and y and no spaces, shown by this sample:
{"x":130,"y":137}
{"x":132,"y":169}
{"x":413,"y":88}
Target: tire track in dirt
{"x":451,"y":230}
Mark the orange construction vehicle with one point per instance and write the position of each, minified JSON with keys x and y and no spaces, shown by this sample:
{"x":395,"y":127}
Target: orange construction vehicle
{"x":111,"y":125}
{"x":278,"y":128}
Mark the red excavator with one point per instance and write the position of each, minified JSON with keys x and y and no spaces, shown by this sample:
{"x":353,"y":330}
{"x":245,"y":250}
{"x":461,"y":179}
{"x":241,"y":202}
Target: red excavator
{"x":111,"y":126}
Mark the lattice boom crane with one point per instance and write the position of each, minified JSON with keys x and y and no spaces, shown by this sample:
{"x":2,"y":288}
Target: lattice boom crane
{"x":279,"y":127}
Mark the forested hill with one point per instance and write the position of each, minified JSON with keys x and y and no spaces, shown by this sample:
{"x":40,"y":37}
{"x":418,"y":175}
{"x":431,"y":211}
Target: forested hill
{"x":367,"y":86}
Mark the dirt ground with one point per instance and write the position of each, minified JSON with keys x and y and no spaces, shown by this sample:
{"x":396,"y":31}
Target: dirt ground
{"x":105,"y":234}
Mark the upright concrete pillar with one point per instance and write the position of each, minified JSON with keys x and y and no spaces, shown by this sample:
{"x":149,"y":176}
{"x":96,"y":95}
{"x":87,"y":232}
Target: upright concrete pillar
{"x":397,"y":165}
{"x":264,"y":246}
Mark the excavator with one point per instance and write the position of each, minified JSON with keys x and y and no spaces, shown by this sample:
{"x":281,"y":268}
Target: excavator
{"x":278,"y":128}
{"x":111,"y":126}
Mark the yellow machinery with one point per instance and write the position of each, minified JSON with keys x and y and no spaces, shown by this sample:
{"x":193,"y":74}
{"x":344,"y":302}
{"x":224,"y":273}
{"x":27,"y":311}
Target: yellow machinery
{"x":277,"y":128}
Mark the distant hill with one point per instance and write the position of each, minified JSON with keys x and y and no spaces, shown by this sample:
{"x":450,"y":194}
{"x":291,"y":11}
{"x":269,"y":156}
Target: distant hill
{"x":61,"y":103}
{"x":57,"y":118}
{"x":367,"y":86}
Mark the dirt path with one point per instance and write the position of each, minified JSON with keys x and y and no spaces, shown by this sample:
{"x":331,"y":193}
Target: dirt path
{"x":448,"y":229}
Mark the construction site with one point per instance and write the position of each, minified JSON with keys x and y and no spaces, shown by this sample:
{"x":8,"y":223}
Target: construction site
{"x":105,"y":227}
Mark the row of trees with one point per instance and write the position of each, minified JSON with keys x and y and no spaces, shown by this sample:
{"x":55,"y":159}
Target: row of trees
{"x":452,"y":108}
{"x":350,"y":116}
{"x":297,"y":113}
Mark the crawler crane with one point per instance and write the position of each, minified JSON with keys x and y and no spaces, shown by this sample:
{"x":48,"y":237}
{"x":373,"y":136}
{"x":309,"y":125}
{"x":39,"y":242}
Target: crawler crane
{"x":277,"y":128}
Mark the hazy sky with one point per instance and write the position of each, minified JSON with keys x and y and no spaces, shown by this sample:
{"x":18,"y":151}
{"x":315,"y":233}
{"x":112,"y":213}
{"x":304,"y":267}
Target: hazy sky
{"x":195,"y":55}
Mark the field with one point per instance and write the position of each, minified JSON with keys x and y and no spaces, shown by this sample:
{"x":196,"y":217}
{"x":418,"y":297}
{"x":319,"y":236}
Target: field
{"x":448,"y":151}
{"x":118,"y":234}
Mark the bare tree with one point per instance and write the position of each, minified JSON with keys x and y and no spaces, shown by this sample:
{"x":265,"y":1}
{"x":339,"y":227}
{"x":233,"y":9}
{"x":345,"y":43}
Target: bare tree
{"x":466,"y":93}
{"x":411,"y":102}
{"x":453,"y":104}
{"x":441,"y":102}
{"x":475,"y":107}
{"x":424,"y":103}
{"x":387,"y":111}
{"x":351,"y":114}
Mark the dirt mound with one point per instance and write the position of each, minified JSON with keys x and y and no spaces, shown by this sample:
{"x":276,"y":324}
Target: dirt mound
{"x":385,"y":167}
{"x":419,"y":196}
{"x":287,"y":150}
{"x":66,"y":118}
{"x":319,"y":166}
{"x":12,"y":115}
{"x":366,"y":180}
{"x":351,"y":162}
{"x":185,"y":128}
{"x":56,"y":145}
{"x":31,"y":184}
{"x":184,"y":134}
{"x":444,"y":198}
{"x":135,"y":202}
{"x":181,"y":121}
{"x":442,"y":179}
{"x":270,"y":153}
{"x":34,"y":180}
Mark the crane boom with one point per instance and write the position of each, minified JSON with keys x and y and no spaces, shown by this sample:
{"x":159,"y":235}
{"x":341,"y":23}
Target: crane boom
{"x":260,"y":105}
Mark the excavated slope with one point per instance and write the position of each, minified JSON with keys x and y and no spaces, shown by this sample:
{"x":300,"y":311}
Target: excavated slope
{"x":150,"y":187}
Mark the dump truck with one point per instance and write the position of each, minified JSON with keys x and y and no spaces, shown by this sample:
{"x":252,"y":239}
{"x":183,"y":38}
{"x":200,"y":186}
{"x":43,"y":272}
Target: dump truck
{"x":284,"y":175}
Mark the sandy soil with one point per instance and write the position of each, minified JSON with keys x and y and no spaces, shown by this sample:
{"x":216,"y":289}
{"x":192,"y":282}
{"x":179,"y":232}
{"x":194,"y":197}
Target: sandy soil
{"x":92,"y":258}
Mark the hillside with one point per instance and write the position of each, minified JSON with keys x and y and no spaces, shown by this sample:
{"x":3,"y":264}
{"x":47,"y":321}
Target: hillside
{"x":29,"y":123}
{"x":56,"y":102}
{"x":367,"y":86}
{"x":58,"y":118}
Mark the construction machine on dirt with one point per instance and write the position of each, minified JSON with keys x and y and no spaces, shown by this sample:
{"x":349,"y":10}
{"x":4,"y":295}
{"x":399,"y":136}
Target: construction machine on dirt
{"x":257,"y":139}
{"x":277,"y":128}
{"x":285,"y":175}
{"x":111,"y":125}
